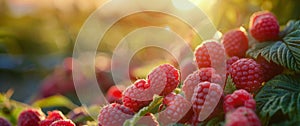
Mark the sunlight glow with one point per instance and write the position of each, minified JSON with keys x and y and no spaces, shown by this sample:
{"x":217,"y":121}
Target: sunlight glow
{"x":182,"y":5}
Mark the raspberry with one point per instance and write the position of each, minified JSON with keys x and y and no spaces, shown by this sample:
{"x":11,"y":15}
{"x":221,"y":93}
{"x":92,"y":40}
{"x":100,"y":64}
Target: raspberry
{"x":209,"y":54}
{"x":187,"y":68}
{"x":264,"y":26}
{"x":137,"y":95}
{"x":201,"y":75}
{"x":186,"y":118}
{"x":65,"y":122}
{"x":114,"y":94}
{"x":47,"y":122}
{"x":4,"y":122}
{"x":104,"y":79}
{"x":164,"y":76}
{"x":30,"y":117}
{"x":242,"y":116}
{"x":135,"y":105}
{"x":246,"y":74}
{"x":169,"y":100}
{"x":52,"y":117}
{"x":235,"y":43}
{"x":148,"y":120}
{"x":205,"y":98}
{"x":59,"y":82}
{"x":103,"y":71}
{"x":270,"y":69}
{"x":237,"y":99}
{"x":55,"y":114}
{"x":67,"y":65}
{"x":230,"y":61}
{"x":177,"y":110}
{"x":114,"y":115}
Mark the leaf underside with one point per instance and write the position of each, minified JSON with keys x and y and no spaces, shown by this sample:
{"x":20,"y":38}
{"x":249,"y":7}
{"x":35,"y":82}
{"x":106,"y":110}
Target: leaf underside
{"x":279,"y":95}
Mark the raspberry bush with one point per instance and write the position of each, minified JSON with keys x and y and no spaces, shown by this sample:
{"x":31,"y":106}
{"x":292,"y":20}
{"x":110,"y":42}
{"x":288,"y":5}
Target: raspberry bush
{"x":258,"y":84}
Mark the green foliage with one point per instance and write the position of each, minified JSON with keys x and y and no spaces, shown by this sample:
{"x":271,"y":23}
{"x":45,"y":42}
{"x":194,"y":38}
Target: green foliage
{"x":279,"y":97}
{"x":285,"y":52}
{"x":216,"y":121}
{"x":153,"y":108}
{"x":54,"y":101}
{"x":177,"y":91}
{"x":10,"y":109}
{"x":92,"y":123}
{"x":93,"y":111}
{"x":230,"y":86}
{"x":290,"y":27}
{"x":293,"y":122}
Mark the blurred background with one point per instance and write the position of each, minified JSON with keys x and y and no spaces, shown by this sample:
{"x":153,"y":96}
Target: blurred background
{"x":37,"y":39}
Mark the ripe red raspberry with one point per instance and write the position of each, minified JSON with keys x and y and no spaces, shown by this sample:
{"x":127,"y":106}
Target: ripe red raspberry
{"x":137,"y":95}
{"x":4,"y":122}
{"x":237,"y":99}
{"x":30,"y":117}
{"x":47,"y":122}
{"x":235,"y":43}
{"x":52,"y":117}
{"x":209,"y":54}
{"x":114,"y":94}
{"x":67,"y":65}
{"x":170,"y":99}
{"x":270,"y":69}
{"x":65,"y":122}
{"x":55,"y":114}
{"x":177,"y":110}
{"x":264,"y":26}
{"x":164,"y":79}
{"x":246,"y":74}
{"x":114,"y":115}
{"x":229,"y":62}
{"x":242,"y":116}
{"x":201,"y":75}
{"x":148,"y":120}
{"x":187,"y":68}
{"x":205,"y":98}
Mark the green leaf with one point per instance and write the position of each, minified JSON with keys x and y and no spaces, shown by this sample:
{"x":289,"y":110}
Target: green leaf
{"x":281,"y":94}
{"x":153,"y":108}
{"x":230,"y":86}
{"x":11,"y":109}
{"x":94,"y":110}
{"x":54,"y":101}
{"x":91,"y":123}
{"x":215,"y":121}
{"x":290,"y":27}
{"x":177,"y":91}
{"x":293,"y":122}
{"x":285,"y":52}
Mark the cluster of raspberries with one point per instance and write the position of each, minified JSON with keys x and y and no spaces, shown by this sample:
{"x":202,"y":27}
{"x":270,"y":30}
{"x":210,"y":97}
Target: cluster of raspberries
{"x":35,"y":117}
{"x":202,"y":95}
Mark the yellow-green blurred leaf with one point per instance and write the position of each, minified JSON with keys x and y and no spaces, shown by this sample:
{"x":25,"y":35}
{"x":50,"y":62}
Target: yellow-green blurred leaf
{"x":54,"y":101}
{"x":94,"y":111}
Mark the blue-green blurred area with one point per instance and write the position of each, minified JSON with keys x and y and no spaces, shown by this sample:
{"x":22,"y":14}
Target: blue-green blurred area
{"x":36,"y":36}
